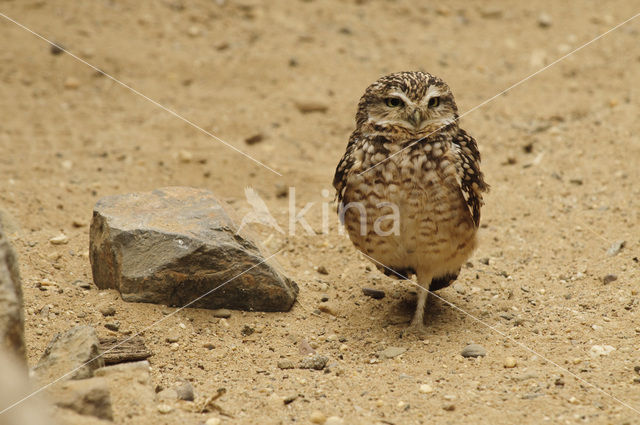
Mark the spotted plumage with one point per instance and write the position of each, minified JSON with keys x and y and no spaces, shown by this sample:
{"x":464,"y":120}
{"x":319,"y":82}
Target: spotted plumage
{"x":409,"y":185}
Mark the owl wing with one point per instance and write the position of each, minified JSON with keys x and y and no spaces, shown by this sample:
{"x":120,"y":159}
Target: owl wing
{"x":470,"y":177}
{"x":344,"y":166}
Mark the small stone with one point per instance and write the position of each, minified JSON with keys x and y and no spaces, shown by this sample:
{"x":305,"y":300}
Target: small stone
{"x":376,"y":294}
{"x":392,"y":352}
{"x":113,"y":326}
{"x":85,"y":396}
{"x":426,"y":389}
{"x":56,"y":49}
{"x":316,"y":362}
{"x":221,"y":313}
{"x":213,"y":421}
{"x":108,"y":310}
{"x":256,"y":138}
{"x":601,"y":350}
{"x":247,"y":330}
{"x":164,"y":409}
{"x":327,"y":308}
{"x":172,"y":337}
{"x":282,"y":191}
{"x":510,"y":362}
{"x":317,"y":417}
{"x":77,"y":350}
{"x":285,"y":364}
{"x":334,"y":420}
{"x":491,"y":13}
{"x":81,"y":284}
{"x":609,"y":278}
{"x":290,"y":398}
{"x":449,"y":407}
{"x":484,"y":260}
{"x":185,"y":391}
{"x":615,"y":248}
{"x":473,"y":350}
{"x":307,"y":107}
{"x":71,"y":83}
{"x":61,"y":239}
{"x":322,"y":270}
{"x":544,"y":20}
{"x":185,"y":156}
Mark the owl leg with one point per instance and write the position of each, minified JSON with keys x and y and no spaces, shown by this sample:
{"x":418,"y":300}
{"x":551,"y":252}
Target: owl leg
{"x":424,"y":280}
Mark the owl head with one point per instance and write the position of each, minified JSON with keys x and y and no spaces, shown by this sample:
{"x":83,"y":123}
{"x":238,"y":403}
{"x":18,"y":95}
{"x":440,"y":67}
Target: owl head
{"x":414,"y":104}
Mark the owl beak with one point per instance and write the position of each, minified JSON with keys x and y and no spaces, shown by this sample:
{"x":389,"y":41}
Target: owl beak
{"x":416,"y":118}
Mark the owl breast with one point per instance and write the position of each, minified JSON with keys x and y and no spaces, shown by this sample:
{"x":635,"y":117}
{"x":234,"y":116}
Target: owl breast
{"x":409,"y":212}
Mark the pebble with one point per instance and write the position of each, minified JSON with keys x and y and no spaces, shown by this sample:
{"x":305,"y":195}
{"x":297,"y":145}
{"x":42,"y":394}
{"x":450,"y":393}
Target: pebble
{"x":510,"y":362}
{"x":285,"y":364}
{"x":247,"y":330}
{"x":376,"y":294}
{"x":426,"y":389}
{"x":334,"y":420}
{"x":317,"y":417}
{"x":327,"y":308}
{"x":113,"y":326}
{"x":213,"y":421}
{"x":172,"y":337}
{"x":473,"y":350}
{"x":322,"y":270}
{"x":256,"y":138}
{"x":71,"y":83}
{"x":221,"y":313}
{"x":544,"y":20}
{"x":491,"y":13}
{"x":282,"y":191}
{"x":164,"y":409}
{"x":609,"y":278}
{"x":108,"y":310}
{"x":316,"y":362}
{"x":392,"y":352}
{"x":601,"y":350}
{"x":449,"y":407}
{"x":290,"y":399}
{"x":61,"y":239}
{"x":185,"y":391}
{"x":82,"y":284}
{"x":185,"y":156}
{"x":56,"y":49}
{"x":615,"y":248}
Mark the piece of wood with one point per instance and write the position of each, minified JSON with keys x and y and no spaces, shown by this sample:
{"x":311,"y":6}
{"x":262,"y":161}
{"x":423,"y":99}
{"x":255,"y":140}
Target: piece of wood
{"x":122,"y":350}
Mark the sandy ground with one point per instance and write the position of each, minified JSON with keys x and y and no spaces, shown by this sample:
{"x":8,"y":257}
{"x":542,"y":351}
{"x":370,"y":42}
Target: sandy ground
{"x":561,"y":152}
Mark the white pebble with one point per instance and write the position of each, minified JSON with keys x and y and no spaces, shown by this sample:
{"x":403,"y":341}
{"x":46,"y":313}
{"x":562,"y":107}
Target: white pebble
{"x":426,"y":389}
{"x":510,"y":362}
{"x":213,"y":421}
{"x":61,"y":239}
{"x":601,"y":350}
{"x":334,"y":420}
{"x":317,"y":417}
{"x":165,"y":408}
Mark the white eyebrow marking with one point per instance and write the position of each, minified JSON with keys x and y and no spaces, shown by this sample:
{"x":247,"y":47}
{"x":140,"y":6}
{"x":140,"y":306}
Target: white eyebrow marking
{"x":431,"y":92}
{"x":402,"y":96}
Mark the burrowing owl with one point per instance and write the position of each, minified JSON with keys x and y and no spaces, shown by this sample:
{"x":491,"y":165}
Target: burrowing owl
{"x":409,"y":185}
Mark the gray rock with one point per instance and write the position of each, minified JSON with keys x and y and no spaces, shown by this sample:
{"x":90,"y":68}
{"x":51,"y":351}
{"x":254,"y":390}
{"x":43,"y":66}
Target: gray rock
{"x":473,"y":350}
{"x":11,"y":314}
{"x":73,"y":353}
{"x":392,"y":352}
{"x":376,"y":294}
{"x":170,"y":394}
{"x":615,"y":248}
{"x":174,"y":245}
{"x":607,"y":279}
{"x":185,"y":391}
{"x":317,"y":362}
{"x":285,"y":364}
{"x":86,"y":397}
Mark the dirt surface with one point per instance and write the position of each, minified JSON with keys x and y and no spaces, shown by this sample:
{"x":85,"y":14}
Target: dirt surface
{"x":561,"y":152}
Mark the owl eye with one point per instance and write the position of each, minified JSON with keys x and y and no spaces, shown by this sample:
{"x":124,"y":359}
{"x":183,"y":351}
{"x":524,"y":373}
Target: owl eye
{"x":393,"y":102}
{"x":433,"y":102}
